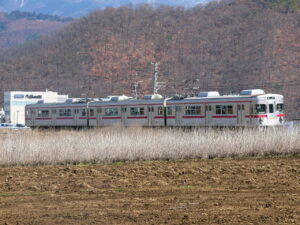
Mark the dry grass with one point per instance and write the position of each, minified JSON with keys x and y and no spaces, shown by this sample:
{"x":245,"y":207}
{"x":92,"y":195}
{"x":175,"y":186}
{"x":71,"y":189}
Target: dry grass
{"x":131,"y":144}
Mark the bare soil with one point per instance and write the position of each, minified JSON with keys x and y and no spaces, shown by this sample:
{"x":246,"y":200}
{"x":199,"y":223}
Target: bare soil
{"x":248,"y":191}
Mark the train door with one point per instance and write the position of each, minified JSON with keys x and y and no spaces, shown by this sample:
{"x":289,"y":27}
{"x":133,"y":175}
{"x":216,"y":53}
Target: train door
{"x":53,"y":117}
{"x":150,"y":115}
{"x":33,"y":115}
{"x":99,"y":116}
{"x":178,"y":115}
{"x":75,"y":117}
{"x":241,"y":114}
{"x":124,"y":116}
{"x":208,"y":115}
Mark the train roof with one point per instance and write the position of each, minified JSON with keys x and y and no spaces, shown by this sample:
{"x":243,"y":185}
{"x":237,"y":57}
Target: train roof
{"x":132,"y":102}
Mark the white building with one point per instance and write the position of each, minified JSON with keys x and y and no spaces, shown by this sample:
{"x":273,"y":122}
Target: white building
{"x":15,"y":101}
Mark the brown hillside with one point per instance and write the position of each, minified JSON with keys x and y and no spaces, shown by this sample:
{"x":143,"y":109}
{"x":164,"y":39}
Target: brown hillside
{"x":224,"y":47}
{"x":16,"y":32}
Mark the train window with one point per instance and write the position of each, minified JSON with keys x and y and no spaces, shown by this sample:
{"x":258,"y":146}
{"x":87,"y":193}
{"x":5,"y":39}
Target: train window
{"x":193,"y":110}
{"x":83,"y":112}
{"x":32,"y":112}
{"x":270,"y":97}
{"x":111,"y":112}
{"x":150,"y":109}
{"x":76,"y":111}
{"x":137,"y":111}
{"x":53,"y":111}
{"x":43,"y":113}
{"x":170,"y":111}
{"x":260,"y":108}
{"x":230,"y":109}
{"x":124,"y":110}
{"x":243,"y":107}
{"x":178,"y":108}
{"x":224,"y":109}
{"x":99,"y":110}
{"x":218,"y":109}
{"x":271,"y":108}
{"x":209,"y":108}
{"x":160,"y":111}
{"x":65,"y":112}
{"x":92,"y":112}
{"x":27,"y":112}
{"x":280,"y":108}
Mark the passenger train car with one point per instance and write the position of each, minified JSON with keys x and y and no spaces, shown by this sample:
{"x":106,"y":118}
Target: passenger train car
{"x":209,"y":109}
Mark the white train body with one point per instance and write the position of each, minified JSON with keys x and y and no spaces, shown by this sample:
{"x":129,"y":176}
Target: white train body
{"x":252,"y":108}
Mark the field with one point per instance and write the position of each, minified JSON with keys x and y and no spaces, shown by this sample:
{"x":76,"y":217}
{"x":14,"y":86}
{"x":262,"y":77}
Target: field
{"x":248,"y":191}
{"x":145,"y":176}
{"x":113,"y":144}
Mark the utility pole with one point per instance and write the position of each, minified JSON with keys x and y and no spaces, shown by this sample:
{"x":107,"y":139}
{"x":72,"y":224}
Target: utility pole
{"x":135,"y":86}
{"x":157,"y":85}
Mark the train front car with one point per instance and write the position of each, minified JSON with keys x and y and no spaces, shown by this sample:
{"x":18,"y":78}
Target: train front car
{"x":269,"y":110}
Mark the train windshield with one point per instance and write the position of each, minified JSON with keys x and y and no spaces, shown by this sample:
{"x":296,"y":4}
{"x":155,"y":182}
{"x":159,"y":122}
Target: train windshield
{"x":280,"y":108}
{"x":260,"y":108}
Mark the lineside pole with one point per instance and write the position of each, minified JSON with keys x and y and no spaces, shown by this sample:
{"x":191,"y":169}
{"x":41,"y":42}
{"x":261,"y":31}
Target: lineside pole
{"x":165,"y":111}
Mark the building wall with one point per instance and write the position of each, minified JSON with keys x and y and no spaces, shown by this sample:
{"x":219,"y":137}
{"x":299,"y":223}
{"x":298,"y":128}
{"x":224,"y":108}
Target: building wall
{"x":15,"y":102}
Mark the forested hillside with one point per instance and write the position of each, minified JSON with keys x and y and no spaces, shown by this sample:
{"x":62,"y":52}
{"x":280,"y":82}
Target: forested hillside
{"x":19,"y":27}
{"x":226,"y":46}
{"x":77,"y":8}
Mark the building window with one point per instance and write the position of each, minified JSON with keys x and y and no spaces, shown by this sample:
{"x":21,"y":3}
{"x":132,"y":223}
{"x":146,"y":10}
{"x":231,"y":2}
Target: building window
{"x":193,"y":110}
{"x":43,"y":113}
{"x":65,"y":112}
{"x":19,"y":96}
{"x":111,"y":112}
{"x":224,"y":109}
{"x":137,"y":111}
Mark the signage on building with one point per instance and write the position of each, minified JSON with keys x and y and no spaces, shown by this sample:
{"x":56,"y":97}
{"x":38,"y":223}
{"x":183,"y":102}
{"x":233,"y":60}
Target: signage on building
{"x":33,"y":96}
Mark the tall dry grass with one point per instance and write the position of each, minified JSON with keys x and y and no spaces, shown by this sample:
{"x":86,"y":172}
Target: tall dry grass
{"x":131,"y":144}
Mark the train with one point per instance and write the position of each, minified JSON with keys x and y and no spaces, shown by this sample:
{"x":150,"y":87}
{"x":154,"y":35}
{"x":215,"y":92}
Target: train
{"x":250,"y":108}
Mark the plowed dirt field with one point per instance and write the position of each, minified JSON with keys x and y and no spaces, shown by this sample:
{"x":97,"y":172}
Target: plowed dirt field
{"x":265,"y":191}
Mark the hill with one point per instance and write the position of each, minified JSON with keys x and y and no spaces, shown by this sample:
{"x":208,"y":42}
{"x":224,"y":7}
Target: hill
{"x":18,"y":27}
{"x":226,"y":46}
{"x":77,"y":8}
